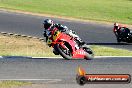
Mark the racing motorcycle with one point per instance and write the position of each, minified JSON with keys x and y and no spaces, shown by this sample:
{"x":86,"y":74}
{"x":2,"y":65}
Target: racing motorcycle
{"x":66,"y":46}
{"x":124,"y":37}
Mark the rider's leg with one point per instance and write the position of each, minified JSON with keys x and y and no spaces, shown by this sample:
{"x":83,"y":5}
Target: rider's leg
{"x":76,"y":37}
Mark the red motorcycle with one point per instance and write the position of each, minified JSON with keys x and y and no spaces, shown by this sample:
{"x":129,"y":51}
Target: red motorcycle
{"x":67,"y":47}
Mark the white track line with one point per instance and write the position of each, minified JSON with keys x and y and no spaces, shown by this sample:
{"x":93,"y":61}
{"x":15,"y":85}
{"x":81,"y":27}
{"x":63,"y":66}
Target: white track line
{"x":94,"y":57}
{"x":46,"y":80}
{"x":46,"y":57}
{"x":110,"y":56}
{"x":33,"y":79}
{"x":61,"y":57}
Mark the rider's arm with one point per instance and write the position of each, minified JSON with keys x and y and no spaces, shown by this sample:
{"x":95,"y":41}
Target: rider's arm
{"x":115,"y":29}
{"x":60,"y":27}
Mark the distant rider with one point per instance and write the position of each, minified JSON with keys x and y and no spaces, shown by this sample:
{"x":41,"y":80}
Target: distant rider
{"x":49,"y":26}
{"x":120,"y":30}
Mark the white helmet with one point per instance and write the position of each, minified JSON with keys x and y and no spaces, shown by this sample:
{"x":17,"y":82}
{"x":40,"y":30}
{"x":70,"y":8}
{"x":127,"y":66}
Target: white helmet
{"x":116,"y":24}
{"x":47,"y":23}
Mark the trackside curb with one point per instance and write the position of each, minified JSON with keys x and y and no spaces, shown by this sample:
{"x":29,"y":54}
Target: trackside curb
{"x":13,"y":34}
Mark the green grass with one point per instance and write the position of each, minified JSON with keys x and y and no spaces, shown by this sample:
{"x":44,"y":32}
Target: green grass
{"x":12,"y":84}
{"x":19,"y":46}
{"x":100,"y":10}
{"x":108,"y":51}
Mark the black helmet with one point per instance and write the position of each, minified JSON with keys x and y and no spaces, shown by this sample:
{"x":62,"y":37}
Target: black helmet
{"x":47,"y":23}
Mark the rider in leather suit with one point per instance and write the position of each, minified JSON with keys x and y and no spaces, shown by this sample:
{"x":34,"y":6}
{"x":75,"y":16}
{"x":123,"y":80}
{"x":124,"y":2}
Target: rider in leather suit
{"x":49,"y":25}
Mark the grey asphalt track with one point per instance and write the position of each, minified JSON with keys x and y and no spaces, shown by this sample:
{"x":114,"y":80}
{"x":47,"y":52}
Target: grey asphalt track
{"x":92,"y":33}
{"x":65,"y":70}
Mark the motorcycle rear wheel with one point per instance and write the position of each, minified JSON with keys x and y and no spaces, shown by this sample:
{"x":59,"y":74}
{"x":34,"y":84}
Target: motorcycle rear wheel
{"x":90,"y":54}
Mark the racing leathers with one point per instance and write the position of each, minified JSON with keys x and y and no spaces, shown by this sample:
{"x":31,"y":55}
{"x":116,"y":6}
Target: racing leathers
{"x":65,"y":30}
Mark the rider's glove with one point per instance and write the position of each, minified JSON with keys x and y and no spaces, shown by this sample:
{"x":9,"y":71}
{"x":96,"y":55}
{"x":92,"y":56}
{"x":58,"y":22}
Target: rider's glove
{"x":48,"y":42}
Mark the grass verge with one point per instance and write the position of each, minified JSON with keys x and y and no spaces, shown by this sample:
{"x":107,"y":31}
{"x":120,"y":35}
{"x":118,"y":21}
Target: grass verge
{"x":12,"y":84}
{"x":22,"y":46}
{"x":19,"y":46}
{"x":99,"y":10}
{"x":108,"y":51}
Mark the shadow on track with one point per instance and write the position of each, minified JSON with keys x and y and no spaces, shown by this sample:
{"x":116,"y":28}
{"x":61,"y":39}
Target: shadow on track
{"x":109,"y":43}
